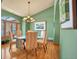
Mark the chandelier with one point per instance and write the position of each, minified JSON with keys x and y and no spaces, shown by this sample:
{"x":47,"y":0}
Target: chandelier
{"x":28,"y":18}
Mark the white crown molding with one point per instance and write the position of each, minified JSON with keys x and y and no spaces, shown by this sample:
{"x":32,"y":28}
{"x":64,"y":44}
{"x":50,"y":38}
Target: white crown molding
{"x":20,"y":8}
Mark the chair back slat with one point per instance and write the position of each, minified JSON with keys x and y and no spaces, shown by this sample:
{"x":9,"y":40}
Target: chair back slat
{"x":31,"y":40}
{"x":44,"y":36}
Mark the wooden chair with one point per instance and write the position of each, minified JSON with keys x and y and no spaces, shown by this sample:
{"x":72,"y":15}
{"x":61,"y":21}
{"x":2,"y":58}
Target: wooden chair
{"x":31,"y":42}
{"x":12,"y":45}
{"x":12,"y":41}
{"x":14,"y":52}
{"x":43,"y":41}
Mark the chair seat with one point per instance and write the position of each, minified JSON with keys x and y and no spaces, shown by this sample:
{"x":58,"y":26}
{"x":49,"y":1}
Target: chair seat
{"x":14,"y":49}
{"x":14,"y":40}
{"x":40,"y":41}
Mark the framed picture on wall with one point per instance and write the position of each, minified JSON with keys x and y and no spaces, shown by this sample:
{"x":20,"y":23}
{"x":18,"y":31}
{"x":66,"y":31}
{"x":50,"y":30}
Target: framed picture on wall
{"x":66,"y":14}
{"x":40,"y":25}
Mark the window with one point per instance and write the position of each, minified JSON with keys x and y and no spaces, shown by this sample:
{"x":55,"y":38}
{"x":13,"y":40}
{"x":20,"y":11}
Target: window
{"x":2,"y":28}
{"x":8,"y":27}
{"x":14,"y":28}
{"x":8,"y":24}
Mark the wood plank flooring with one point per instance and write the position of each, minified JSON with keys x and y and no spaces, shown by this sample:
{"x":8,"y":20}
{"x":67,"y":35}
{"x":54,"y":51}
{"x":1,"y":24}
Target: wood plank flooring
{"x":51,"y":53}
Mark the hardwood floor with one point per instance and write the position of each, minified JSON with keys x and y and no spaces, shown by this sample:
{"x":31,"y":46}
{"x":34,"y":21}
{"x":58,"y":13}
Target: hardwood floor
{"x":51,"y":53}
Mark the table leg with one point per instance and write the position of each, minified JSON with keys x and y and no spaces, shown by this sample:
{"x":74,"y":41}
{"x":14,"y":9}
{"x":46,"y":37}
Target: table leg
{"x":4,"y":52}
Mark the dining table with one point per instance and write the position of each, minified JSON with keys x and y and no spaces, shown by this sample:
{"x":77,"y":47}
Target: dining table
{"x":19,"y":40}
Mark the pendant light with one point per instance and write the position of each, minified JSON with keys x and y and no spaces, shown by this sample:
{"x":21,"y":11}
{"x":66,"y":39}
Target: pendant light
{"x":28,"y":18}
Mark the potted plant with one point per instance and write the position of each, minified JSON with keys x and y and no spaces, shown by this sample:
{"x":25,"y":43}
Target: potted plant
{"x":5,"y":41}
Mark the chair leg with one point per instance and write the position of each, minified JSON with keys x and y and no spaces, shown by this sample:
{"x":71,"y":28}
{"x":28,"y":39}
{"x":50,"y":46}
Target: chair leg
{"x":23,"y":45}
{"x":26,"y":54}
{"x":9,"y":49}
{"x":36,"y":51}
{"x":45,"y":48}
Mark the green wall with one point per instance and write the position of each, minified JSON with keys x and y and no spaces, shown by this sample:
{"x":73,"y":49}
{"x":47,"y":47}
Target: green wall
{"x":57,"y":23}
{"x":25,"y":27}
{"x":6,"y":13}
{"x":46,"y":15}
{"x":68,"y":44}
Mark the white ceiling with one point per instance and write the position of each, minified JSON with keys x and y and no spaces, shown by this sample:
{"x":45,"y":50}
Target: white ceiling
{"x":20,"y":7}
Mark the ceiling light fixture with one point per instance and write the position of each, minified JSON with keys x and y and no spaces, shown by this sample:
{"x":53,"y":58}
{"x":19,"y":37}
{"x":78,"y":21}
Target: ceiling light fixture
{"x":28,"y":18}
